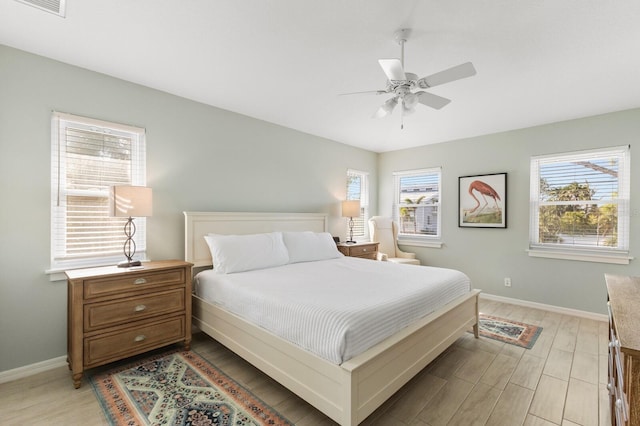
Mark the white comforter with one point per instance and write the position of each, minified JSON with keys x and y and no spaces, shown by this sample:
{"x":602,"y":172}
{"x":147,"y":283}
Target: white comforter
{"x":334,"y":308}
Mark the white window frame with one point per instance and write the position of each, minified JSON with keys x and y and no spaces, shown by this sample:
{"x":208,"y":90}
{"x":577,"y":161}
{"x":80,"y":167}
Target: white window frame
{"x":616,"y":255}
{"x":364,"y":203}
{"x":420,"y":240}
{"x":60,"y":261}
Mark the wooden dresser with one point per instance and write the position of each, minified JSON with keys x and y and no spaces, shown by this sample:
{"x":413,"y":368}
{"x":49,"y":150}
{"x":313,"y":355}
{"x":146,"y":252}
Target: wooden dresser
{"x":364,"y":250}
{"x":624,"y":349}
{"x":114,"y":313}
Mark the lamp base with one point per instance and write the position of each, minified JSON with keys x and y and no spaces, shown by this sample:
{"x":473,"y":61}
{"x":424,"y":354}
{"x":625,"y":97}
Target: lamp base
{"x":350,"y":242}
{"x":129,"y":264}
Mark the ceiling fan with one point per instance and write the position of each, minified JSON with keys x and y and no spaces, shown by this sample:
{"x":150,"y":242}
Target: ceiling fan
{"x":402,"y":84}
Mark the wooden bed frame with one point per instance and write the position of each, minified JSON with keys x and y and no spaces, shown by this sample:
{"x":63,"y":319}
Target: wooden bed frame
{"x":346,"y":393}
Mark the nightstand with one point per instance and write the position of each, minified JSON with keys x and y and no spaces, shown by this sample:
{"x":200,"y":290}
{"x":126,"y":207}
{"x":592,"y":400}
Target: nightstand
{"x":114,"y":313}
{"x":363,"y":250}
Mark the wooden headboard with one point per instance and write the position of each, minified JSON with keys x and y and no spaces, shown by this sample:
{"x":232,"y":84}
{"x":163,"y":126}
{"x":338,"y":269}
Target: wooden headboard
{"x":199,"y":224}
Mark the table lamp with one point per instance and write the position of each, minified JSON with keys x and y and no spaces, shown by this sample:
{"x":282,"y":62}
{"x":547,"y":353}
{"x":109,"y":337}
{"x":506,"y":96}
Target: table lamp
{"x":130,"y":201}
{"x":351,"y":209}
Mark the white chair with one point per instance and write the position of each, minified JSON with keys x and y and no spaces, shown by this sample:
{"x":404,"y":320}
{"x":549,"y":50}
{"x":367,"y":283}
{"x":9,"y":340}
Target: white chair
{"x":384,"y":231}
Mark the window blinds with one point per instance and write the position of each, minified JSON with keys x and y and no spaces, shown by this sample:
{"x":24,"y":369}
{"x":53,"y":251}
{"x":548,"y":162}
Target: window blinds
{"x":417,"y":202}
{"x":581,"y":200}
{"x":88,"y":157}
{"x":357,"y":189}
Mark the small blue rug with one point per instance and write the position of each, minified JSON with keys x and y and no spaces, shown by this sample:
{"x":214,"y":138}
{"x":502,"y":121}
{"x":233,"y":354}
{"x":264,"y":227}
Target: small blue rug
{"x":512,"y":332}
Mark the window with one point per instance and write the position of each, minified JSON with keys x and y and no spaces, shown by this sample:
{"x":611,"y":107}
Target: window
{"x":580,"y":205}
{"x":417,"y":205}
{"x":87,"y":158}
{"x":358,"y":189}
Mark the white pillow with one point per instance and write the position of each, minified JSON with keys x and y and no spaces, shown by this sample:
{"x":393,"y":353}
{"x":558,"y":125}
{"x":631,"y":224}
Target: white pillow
{"x":238,"y":253}
{"x":309,"y":246}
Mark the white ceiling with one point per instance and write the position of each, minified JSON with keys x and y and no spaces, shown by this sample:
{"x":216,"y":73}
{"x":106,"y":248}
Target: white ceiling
{"x":286,"y":61}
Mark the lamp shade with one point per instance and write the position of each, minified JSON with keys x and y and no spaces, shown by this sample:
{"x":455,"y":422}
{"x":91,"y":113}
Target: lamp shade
{"x":351,"y":208}
{"x":130,"y":201}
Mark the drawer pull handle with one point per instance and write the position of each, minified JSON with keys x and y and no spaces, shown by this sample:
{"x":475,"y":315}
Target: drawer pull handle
{"x":139,"y":338}
{"x":140,"y":281}
{"x":618,"y":403}
{"x":140,"y":308}
{"x":364,"y":249}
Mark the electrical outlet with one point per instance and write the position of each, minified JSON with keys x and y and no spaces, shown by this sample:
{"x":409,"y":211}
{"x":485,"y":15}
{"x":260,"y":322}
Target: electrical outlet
{"x":507,"y":282}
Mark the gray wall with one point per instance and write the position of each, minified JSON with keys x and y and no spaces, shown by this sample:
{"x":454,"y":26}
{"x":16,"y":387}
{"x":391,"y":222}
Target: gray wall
{"x":204,"y":158}
{"x":490,"y":255}
{"x":198,"y":158}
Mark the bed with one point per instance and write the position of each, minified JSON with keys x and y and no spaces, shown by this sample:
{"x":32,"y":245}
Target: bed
{"x":346,"y":392}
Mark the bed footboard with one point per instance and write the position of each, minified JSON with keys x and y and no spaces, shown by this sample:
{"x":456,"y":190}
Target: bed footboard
{"x":349,"y":392}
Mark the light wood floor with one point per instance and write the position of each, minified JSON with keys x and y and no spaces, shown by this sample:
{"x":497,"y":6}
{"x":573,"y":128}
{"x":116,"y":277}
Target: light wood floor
{"x":560,"y":381}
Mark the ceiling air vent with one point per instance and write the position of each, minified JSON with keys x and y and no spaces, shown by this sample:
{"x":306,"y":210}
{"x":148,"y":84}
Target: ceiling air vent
{"x":54,"y":6}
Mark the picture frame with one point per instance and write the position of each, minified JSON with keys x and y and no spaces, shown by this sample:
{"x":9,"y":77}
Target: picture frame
{"x":482,"y":201}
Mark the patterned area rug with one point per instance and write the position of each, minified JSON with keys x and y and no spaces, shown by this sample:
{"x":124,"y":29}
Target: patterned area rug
{"x":178,"y":388}
{"x":513,"y":332}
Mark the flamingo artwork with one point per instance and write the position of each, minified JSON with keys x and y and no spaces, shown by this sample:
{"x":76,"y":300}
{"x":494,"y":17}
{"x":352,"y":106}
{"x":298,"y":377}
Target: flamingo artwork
{"x":483,"y":201}
{"x":485,"y":190}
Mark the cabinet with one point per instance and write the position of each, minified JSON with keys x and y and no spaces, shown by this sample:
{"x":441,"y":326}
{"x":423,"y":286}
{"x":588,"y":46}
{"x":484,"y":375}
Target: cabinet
{"x":114,"y":313}
{"x":624,"y":349}
{"x":364,"y":250}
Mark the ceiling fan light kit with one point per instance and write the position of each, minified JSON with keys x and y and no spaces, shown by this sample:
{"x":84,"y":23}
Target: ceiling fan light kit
{"x":402,"y":84}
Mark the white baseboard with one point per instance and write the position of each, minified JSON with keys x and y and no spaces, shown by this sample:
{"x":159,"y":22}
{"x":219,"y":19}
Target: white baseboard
{"x":552,"y":308}
{"x":29,"y":370}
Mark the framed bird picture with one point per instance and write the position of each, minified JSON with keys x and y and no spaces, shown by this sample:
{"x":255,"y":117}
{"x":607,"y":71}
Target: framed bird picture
{"x":482,"y":201}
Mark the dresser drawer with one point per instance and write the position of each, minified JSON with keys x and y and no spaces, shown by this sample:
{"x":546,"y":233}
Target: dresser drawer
{"x":371,"y":256}
{"x":363,"y":251}
{"x":131,"y":282}
{"x":621,"y":402}
{"x":107,"y":347}
{"x":620,"y":406}
{"x":121,"y":311}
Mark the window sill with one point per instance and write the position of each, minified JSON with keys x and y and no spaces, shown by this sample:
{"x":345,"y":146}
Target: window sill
{"x":57,"y":273}
{"x":415,"y":242}
{"x":618,"y":258}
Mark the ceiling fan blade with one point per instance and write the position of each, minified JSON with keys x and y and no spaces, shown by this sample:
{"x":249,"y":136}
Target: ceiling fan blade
{"x":452,"y":74}
{"x":393,"y":69}
{"x":386,"y":108}
{"x":368,"y":92}
{"x":431,"y":100}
